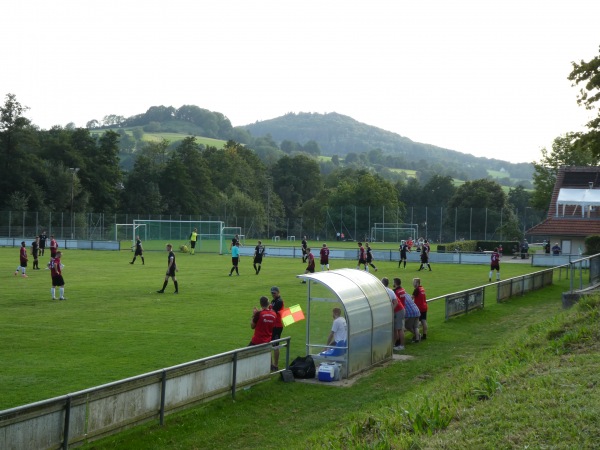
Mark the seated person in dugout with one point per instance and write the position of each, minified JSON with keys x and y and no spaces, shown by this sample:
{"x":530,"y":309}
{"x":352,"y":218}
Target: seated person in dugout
{"x":338,"y":336}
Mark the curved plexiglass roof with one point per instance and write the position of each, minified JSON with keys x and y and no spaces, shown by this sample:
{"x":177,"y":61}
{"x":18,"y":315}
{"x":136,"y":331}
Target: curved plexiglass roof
{"x":368,"y":314}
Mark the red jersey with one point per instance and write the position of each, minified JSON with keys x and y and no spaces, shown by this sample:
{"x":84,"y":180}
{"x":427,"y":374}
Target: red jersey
{"x":53,"y":245}
{"x":420,"y":299}
{"x":401,"y":296}
{"x":55,"y":267}
{"x":324,"y":255}
{"x":23,"y":254}
{"x":264,"y":321}
{"x":361,"y":254}
{"x":495,"y":257}
{"x":311,"y":262}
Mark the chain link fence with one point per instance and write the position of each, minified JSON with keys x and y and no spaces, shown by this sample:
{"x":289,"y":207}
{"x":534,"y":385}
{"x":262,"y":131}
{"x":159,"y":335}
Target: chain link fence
{"x":354,"y":223}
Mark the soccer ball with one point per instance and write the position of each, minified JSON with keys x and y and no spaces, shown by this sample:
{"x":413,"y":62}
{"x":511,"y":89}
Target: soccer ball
{"x":183,"y":248}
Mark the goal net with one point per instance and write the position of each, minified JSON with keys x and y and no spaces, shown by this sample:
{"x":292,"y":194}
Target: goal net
{"x":128,"y":232}
{"x":394,"y":232}
{"x":210,"y":237}
{"x":229,"y":233}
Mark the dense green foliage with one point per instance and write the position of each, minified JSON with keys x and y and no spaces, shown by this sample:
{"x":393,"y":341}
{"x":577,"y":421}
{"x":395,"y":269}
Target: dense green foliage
{"x":588,"y":75}
{"x":79,"y":170}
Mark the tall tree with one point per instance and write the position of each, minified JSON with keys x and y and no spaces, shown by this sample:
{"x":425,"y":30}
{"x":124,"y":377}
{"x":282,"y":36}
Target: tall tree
{"x":588,"y":74}
{"x":296,"y":180}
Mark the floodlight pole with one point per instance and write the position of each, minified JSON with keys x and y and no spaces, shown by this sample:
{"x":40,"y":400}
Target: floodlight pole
{"x":73,"y":171}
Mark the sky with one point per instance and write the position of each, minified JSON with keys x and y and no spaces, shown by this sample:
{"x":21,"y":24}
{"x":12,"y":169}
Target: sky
{"x":487,"y":78}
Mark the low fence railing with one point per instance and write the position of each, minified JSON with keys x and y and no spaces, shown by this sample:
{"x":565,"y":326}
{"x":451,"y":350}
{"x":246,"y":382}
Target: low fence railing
{"x":93,"y":413}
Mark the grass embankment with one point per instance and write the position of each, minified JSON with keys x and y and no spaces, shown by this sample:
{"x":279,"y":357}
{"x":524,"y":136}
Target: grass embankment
{"x":489,"y":380}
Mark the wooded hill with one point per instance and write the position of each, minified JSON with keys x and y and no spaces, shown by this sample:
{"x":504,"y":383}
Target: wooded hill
{"x":332,"y":134}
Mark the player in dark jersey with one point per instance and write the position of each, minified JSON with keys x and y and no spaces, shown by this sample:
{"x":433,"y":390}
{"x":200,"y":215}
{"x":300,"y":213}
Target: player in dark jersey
{"x":370,"y":258}
{"x":259,"y":252}
{"x":171,"y":269}
{"x":324,"y":253}
{"x":304,"y":247}
{"x":43,"y":238}
{"x":404,"y":249}
{"x":425,"y":255}
{"x":35,"y":251}
{"x":495,"y":265}
{"x":139,"y":251}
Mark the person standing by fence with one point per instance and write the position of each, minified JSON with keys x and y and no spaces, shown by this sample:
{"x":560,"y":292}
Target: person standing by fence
{"x":421,"y":301}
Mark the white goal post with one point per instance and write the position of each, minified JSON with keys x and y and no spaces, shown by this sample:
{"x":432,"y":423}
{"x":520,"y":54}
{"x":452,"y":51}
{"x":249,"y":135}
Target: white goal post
{"x":394,"y":232}
{"x":134,"y":227}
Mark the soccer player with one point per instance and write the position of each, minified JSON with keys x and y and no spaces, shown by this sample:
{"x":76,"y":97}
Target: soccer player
{"x":53,"y":247}
{"x":35,"y":250}
{"x":495,"y":265}
{"x":171,"y":269}
{"x":57,"y":279}
{"x":362,"y":257}
{"x":22,"y":260}
{"x":259,"y":252}
{"x":310,"y":259}
{"x":193,"y":239}
{"x":324,"y":254}
{"x":425,"y":255}
{"x":235,"y":258}
{"x":43,"y":236}
{"x":370,"y":258}
{"x":404,"y":249}
{"x":139,"y":251}
{"x":304,"y":251}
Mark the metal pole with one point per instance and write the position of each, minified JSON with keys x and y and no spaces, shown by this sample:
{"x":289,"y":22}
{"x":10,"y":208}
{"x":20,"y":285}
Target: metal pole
{"x":73,"y":170}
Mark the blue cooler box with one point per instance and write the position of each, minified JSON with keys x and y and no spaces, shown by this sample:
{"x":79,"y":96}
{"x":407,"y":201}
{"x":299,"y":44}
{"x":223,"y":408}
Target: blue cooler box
{"x":328,"y":372}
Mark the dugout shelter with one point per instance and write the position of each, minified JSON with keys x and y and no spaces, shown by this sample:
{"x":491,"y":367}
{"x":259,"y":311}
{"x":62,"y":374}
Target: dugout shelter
{"x":368,"y":311}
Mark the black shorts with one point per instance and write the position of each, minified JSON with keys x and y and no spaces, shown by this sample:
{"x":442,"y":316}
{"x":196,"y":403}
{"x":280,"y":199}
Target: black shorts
{"x":57,"y":280}
{"x":423,"y":316}
{"x":258,"y":260}
{"x":193,"y":244}
{"x":23,"y":263}
{"x":276,"y":334}
{"x":138,"y":252}
{"x":362,"y":261}
{"x":235,"y":260}
{"x":171,"y":271}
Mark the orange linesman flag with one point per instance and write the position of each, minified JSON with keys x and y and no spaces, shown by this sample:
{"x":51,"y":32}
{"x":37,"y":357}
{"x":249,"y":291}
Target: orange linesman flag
{"x":291,"y":315}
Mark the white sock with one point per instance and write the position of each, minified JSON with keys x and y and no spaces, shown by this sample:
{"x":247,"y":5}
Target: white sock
{"x":62,"y":292}
{"x":52,"y":291}
{"x":490,"y":277}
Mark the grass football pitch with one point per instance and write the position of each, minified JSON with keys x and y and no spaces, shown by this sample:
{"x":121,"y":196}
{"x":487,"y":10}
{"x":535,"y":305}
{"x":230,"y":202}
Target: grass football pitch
{"x":114,"y":325}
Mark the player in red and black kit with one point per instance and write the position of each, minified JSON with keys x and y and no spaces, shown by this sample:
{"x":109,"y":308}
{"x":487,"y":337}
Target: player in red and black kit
{"x":263,"y":321}
{"x":324,"y":253}
{"x":35,"y":251}
{"x":171,"y":269}
{"x":22,"y":260}
{"x":277,"y":306}
{"x":55,"y":267}
{"x":495,"y":265}
{"x":53,"y":247}
{"x":362,"y":257}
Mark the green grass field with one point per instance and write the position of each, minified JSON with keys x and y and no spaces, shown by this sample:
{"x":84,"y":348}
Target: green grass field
{"x":114,"y":325}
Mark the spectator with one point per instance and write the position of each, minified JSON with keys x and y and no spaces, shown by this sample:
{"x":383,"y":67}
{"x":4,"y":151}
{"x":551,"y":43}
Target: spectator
{"x":339,"y":334}
{"x":556,"y":250}
{"x":399,"y":314}
{"x":263,"y":321}
{"x":411,"y":319}
{"x":421,"y":302}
